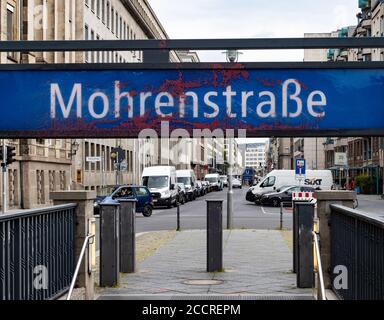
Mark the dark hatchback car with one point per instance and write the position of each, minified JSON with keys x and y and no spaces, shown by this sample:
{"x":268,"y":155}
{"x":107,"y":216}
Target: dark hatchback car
{"x":282,"y":195}
{"x":144,"y":199}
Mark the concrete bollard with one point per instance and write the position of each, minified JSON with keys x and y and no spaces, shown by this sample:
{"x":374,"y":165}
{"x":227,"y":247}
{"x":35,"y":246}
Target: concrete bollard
{"x":109,"y":244}
{"x":214,"y":235}
{"x":84,"y":214}
{"x":324,"y":200}
{"x":127,"y":236}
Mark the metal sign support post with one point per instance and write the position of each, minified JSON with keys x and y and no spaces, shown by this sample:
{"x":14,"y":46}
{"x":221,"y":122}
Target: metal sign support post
{"x":230,"y":188}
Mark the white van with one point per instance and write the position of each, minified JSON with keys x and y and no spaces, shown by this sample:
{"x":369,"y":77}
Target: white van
{"x":188,"y":177}
{"x":161,"y":182}
{"x":214,"y":181}
{"x":318,"y":179}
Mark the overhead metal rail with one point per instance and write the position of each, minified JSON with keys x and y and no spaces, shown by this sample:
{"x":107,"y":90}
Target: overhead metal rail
{"x":192,"y":44}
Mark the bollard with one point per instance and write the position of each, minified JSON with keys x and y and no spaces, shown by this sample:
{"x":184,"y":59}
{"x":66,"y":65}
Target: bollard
{"x":281,"y":215}
{"x":294,"y":236}
{"x":109,"y":244}
{"x":305,"y":219}
{"x":178,"y":217}
{"x":214,"y":235}
{"x":127,"y":235}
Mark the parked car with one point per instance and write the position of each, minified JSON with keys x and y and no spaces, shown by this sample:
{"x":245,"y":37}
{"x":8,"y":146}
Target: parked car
{"x":224,"y":180}
{"x":161,"y":182}
{"x":214,"y":181}
{"x":257,"y":196}
{"x":236,"y":183}
{"x":200,"y":188}
{"x":250,"y":196}
{"x":189,"y":179}
{"x":207,"y":187}
{"x":284,"y":195}
{"x":142,"y":194}
{"x":182,"y":196}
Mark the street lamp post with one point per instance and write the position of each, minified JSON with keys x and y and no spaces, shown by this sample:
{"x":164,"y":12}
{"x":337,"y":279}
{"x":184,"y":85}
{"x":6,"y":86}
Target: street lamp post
{"x":233,"y":57}
{"x":230,"y":189}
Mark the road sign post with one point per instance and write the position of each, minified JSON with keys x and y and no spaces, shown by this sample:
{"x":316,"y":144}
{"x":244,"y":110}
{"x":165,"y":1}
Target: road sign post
{"x":300,"y":169}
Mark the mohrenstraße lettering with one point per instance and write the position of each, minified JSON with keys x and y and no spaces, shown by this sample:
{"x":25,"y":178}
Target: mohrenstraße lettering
{"x":265,"y":103}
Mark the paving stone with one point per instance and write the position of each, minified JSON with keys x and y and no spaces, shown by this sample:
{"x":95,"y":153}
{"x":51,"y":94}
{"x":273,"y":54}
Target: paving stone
{"x":258,"y":262}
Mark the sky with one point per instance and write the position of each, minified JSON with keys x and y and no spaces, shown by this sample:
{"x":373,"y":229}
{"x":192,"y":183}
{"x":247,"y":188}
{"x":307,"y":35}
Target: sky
{"x":184,"y":19}
{"x":188,"y":19}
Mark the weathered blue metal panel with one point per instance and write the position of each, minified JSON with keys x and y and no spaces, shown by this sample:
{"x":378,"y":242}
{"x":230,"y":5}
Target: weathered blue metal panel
{"x":121,"y":103}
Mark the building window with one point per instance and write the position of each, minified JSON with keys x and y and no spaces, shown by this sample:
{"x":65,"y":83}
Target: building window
{"x":117,"y":24}
{"x":121,"y":27}
{"x":86,"y":37}
{"x":98,"y":8}
{"x":103,"y":11}
{"x":63,"y":180}
{"x":92,"y":53}
{"x":40,"y":186}
{"x":113,"y":20}
{"x":108,"y":14}
{"x":98,"y":52}
{"x":10,"y":23}
{"x":86,"y":154}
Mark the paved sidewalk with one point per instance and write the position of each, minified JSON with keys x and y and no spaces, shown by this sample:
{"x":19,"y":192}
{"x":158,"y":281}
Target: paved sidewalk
{"x":256,"y":262}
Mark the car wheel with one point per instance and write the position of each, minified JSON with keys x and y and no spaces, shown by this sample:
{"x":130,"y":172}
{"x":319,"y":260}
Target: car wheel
{"x":276,"y":202}
{"x":147,"y":211}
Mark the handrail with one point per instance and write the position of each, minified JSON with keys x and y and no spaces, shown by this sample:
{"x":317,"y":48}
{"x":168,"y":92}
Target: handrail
{"x":35,"y":212}
{"x":320,"y":268}
{"x":86,"y":242}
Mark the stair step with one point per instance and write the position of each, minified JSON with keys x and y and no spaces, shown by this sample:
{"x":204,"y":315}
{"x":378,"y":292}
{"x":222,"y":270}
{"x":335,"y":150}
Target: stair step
{"x":204,"y":297}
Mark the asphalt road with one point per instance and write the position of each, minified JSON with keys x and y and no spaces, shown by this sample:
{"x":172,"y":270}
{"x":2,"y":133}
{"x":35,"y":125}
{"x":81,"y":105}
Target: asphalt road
{"x":193,"y":214}
{"x":247,"y":215}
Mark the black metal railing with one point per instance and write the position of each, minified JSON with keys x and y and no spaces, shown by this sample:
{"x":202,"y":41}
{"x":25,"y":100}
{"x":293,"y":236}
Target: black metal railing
{"x":37,"y":253}
{"x":357,"y":243}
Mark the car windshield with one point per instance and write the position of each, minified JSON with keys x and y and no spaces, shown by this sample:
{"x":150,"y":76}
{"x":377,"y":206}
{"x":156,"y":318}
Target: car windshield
{"x":185,"y":180}
{"x":156,"y":182}
{"x":212,"y":180}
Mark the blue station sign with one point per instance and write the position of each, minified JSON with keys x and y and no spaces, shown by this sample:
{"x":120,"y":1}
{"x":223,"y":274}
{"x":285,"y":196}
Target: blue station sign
{"x":300,"y":167}
{"x":122,"y":103}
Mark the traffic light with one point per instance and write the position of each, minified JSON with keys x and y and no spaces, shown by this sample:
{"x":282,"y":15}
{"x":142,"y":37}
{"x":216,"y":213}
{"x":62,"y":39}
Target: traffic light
{"x":117,"y":154}
{"x":11,"y":154}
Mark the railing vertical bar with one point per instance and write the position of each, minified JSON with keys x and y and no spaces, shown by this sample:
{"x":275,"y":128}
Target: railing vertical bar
{"x":2,"y":261}
{"x":56,"y":269}
{"x":44,"y":253}
{"x":28,"y":259}
{"x":61,"y":245}
{"x":50,"y":253}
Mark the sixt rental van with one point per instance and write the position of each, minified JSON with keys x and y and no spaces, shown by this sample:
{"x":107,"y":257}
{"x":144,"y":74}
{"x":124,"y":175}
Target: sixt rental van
{"x":161,"y":182}
{"x":318,"y":179}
